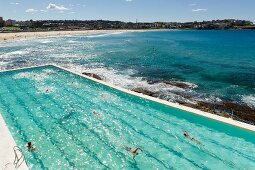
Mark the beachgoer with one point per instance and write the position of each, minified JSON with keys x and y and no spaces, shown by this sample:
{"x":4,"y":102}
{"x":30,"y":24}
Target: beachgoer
{"x":186,"y":134}
{"x":30,"y":147}
{"x":133,"y":151}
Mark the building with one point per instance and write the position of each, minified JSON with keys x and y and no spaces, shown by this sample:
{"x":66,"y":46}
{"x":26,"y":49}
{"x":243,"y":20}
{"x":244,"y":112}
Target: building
{"x":1,"y":22}
{"x":10,"y":23}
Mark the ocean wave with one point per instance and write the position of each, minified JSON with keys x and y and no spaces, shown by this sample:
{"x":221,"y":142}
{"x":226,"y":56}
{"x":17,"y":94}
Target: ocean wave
{"x":103,"y":35}
{"x":249,"y":100}
{"x":19,"y":52}
{"x":46,"y":41}
{"x":14,"y":54}
{"x":126,"y":80}
{"x":72,"y":41}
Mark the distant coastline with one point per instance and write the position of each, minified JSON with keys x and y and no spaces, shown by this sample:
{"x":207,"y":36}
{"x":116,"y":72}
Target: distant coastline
{"x":16,"y":30}
{"x":14,"y":36}
{"x":81,"y":25}
{"x":24,"y":35}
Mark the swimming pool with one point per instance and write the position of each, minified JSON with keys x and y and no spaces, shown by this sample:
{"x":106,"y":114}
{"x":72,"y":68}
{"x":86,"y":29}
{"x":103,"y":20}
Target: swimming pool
{"x":54,"y":108}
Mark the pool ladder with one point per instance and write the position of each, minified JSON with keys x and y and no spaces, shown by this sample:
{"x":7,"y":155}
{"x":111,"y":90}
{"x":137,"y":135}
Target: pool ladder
{"x":19,"y":157}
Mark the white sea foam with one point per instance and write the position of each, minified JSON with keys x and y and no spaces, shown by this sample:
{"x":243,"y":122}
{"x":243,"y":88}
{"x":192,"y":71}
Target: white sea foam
{"x":46,"y":41}
{"x":72,"y":41}
{"x":249,"y":100}
{"x":104,"y":35}
{"x":14,"y":54}
{"x":19,"y":52}
{"x":125,"y":79}
{"x":2,"y":65}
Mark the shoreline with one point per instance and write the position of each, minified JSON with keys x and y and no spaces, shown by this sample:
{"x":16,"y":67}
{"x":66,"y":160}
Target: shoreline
{"x":10,"y":37}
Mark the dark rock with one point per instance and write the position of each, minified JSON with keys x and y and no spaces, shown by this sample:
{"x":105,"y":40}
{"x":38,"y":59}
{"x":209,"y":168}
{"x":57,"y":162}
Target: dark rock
{"x":227,"y":109}
{"x":144,"y":91}
{"x":152,"y":81}
{"x":183,"y":95}
{"x":178,"y":84}
{"x":244,"y":112}
{"x":92,"y":75}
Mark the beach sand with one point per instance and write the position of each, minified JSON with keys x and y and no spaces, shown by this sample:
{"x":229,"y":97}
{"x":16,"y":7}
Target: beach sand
{"x":28,"y":35}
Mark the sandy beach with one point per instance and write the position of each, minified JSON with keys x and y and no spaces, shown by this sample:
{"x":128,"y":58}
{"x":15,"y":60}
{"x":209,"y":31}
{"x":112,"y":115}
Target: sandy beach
{"x":6,"y":37}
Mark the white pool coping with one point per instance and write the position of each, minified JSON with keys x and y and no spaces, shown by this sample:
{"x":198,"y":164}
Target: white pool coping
{"x":6,"y":145}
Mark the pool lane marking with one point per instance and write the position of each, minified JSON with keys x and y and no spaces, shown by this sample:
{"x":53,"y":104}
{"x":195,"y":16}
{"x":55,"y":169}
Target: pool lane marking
{"x":55,"y":141}
{"x":144,"y":136}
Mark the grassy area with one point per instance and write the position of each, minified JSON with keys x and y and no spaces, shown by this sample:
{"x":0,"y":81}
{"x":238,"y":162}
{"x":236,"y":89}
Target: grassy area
{"x":10,"y":29}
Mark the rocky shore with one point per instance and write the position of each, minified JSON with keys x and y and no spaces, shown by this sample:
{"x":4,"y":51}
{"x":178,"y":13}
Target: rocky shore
{"x":92,"y":75}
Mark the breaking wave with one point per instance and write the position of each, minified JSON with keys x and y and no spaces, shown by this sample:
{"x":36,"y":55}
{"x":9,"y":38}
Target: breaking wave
{"x":249,"y":100}
{"x":104,"y":35}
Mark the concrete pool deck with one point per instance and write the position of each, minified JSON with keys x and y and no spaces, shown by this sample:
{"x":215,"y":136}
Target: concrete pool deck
{"x":7,"y":142}
{"x":6,"y":148}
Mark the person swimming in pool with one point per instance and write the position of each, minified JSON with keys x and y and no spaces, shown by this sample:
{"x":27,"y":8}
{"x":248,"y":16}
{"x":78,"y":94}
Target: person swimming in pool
{"x":30,"y":147}
{"x":96,"y":113}
{"x":186,"y":134}
{"x":133,"y":151}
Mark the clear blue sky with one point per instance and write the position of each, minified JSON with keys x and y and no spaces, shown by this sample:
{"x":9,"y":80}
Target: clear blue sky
{"x":129,"y":10}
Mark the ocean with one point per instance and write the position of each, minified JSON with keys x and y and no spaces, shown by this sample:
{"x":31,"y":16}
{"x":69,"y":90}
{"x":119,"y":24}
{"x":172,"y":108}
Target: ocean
{"x":187,"y":67}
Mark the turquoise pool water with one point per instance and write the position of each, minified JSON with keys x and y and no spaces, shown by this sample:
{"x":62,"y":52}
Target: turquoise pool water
{"x":54,"y":109}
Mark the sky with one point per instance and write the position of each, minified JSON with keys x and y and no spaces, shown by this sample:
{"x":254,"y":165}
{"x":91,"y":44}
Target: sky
{"x":128,"y":10}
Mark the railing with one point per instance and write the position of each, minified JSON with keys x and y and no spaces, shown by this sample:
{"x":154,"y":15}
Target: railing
{"x":19,"y":158}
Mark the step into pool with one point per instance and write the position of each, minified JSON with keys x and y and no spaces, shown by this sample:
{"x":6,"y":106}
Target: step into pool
{"x":77,"y":123}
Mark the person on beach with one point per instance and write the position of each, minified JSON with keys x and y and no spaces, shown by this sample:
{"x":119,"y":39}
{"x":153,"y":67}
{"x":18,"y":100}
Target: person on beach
{"x":186,"y":134}
{"x":133,"y":151}
{"x":30,"y":147}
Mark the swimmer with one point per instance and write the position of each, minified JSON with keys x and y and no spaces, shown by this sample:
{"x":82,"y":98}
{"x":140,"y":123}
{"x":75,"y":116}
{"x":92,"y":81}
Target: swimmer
{"x":30,"y":147}
{"x":186,"y":134}
{"x":103,"y":95}
{"x":95,"y":113}
{"x":47,"y":91}
{"x":133,"y":151}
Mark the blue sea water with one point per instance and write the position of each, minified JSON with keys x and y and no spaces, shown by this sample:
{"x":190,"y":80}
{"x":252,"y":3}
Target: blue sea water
{"x":218,"y":65}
